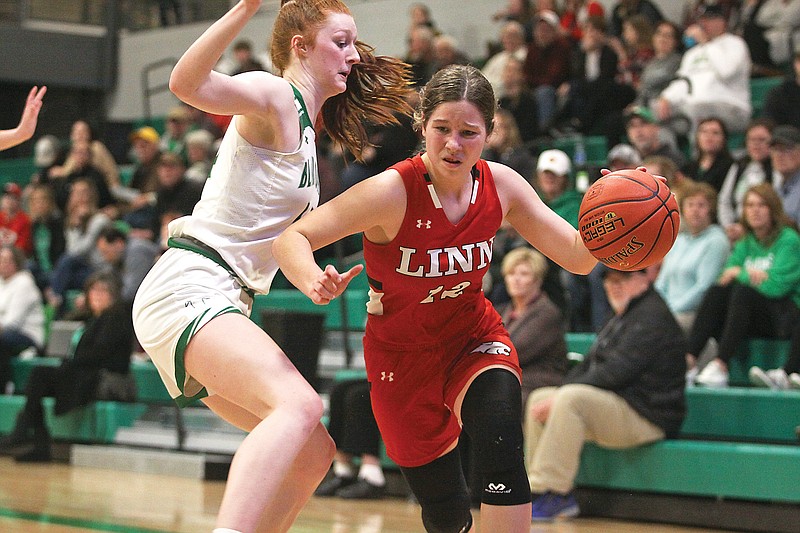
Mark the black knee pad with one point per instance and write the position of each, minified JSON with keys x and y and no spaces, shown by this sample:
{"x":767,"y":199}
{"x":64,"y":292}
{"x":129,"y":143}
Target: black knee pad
{"x":442,"y":493}
{"x":446,"y":517}
{"x":492,"y":417}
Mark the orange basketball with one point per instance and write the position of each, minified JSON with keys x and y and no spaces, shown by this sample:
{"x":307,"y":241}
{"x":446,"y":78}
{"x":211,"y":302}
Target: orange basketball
{"x":628,"y":219}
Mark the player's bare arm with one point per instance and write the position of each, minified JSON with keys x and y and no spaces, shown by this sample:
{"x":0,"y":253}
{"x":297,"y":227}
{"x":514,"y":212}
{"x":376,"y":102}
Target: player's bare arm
{"x":264,"y":101}
{"x":375,"y":206}
{"x":538,"y":224}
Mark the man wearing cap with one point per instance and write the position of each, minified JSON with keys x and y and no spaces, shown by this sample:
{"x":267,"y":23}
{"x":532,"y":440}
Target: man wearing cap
{"x":628,"y":391}
{"x":645,"y":134}
{"x":175,"y":129}
{"x":623,"y":156}
{"x":552,"y":182}
{"x":782,"y":103}
{"x":547,"y":63}
{"x":175,"y":193}
{"x":144,"y":180}
{"x":15,"y":226}
{"x":785,"y":154}
{"x":713,"y":79}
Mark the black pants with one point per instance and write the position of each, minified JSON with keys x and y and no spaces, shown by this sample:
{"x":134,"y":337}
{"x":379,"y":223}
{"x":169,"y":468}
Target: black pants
{"x":793,"y":362}
{"x":352,"y":424}
{"x":734,"y":312}
{"x":41,"y":383}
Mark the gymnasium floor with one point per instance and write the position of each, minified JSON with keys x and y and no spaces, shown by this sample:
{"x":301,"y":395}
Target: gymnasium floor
{"x":58,"y":498}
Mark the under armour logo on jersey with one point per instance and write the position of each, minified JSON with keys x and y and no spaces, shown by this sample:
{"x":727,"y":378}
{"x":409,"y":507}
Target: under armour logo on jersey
{"x":426,"y":224}
{"x":493,"y":348}
{"x":387,"y":376}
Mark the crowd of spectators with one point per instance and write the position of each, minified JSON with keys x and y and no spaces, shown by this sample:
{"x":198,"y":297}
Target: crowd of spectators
{"x":75,"y":243}
{"x":672,"y":96}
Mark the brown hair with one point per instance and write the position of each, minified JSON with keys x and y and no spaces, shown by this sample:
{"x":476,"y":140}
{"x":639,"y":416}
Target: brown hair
{"x":513,"y":136}
{"x":455,"y":83}
{"x":700,"y":188}
{"x":776,"y":213}
{"x":643,"y":28}
{"x":377,"y":86}
{"x":17,"y":256}
{"x":107,"y":278}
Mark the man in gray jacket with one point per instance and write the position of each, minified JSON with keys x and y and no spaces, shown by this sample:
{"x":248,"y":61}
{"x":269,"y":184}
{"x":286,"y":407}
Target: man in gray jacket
{"x":628,"y":391}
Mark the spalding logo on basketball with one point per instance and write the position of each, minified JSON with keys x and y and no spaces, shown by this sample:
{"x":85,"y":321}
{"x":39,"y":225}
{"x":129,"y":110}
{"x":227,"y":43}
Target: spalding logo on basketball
{"x":629,"y":219}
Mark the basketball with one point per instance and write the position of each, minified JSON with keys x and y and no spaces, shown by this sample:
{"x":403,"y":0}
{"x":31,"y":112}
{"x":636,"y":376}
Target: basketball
{"x":628,"y":219}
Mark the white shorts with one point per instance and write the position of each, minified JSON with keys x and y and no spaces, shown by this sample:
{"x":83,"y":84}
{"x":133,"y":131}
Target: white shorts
{"x":182,"y":292}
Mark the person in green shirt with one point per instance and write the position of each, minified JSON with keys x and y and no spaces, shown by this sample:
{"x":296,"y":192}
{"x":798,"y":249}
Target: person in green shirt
{"x":553,"y":185}
{"x":758,"y":292}
{"x":587,"y":306}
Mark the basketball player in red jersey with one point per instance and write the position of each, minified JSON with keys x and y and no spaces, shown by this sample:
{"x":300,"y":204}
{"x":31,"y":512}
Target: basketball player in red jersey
{"x":437,"y":354}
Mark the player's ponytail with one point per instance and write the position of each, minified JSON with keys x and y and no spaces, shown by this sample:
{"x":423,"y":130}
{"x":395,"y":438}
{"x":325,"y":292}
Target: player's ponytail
{"x":377,"y":91}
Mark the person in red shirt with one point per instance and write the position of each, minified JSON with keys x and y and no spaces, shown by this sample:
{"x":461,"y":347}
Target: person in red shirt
{"x":547,"y":63}
{"x":575,"y":14}
{"x":436,"y":352}
{"x":15,"y":225}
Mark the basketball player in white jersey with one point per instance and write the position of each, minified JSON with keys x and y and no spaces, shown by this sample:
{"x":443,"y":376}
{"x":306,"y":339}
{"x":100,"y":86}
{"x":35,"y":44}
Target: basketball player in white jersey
{"x":191,"y":312}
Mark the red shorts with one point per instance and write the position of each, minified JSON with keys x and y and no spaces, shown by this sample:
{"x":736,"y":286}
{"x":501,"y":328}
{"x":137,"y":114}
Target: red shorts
{"x":417,"y":391}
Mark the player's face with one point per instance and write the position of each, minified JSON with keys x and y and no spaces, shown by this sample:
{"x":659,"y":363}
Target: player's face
{"x":334,"y":53}
{"x":455,"y":135}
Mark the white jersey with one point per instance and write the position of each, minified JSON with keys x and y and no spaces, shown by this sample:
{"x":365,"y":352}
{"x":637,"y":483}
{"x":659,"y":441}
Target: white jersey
{"x":250,"y":197}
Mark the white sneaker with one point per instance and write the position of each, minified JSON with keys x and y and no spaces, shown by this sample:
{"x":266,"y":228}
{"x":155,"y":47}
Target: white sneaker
{"x":775,"y":379}
{"x":794,"y":380}
{"x":713,"y":376}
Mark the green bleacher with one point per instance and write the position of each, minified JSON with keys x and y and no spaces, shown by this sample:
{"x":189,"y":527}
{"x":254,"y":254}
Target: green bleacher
{"x":737,"y":448}
{"x":16,"y":171}
{"x":759,"y":87}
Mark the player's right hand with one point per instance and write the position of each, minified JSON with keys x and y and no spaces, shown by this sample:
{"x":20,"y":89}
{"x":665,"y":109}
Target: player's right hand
{"x":331,"y":284}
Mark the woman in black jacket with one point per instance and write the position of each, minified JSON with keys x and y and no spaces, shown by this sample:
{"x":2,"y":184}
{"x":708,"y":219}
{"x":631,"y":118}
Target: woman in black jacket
{"x":101,"y":356}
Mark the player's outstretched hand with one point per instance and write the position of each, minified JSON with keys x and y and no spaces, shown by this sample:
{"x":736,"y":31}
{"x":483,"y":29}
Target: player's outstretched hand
{"x":27,"y":124}
{"x":30,"y":115}
{"x":331,"y":284}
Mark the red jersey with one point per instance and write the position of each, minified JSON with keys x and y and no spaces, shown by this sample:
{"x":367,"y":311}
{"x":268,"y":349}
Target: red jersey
{"x":16,"y":231}
{"x":426,"y":284}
